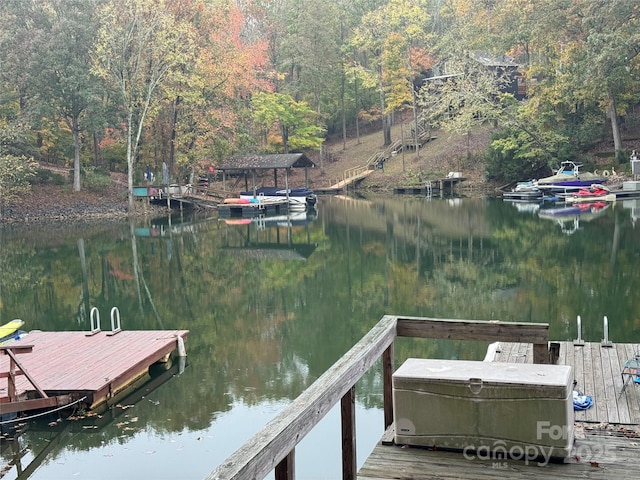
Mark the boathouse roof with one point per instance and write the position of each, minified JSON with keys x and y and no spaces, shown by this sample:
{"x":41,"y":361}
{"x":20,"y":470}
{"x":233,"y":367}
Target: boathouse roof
{"x":265,"y":162}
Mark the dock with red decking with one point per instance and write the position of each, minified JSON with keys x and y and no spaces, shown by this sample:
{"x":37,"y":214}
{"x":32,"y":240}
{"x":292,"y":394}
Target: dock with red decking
{"x":51,"y":369}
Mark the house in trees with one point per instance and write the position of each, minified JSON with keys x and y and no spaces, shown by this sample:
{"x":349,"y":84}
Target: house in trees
{"x":505,"y":65}
{"x":516,"y":83}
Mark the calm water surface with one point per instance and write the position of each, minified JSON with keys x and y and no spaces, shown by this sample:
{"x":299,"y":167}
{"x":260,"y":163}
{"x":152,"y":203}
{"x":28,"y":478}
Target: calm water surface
{"x":270,"y":306}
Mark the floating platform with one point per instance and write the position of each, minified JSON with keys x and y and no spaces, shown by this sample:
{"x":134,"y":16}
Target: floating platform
{"x":253,"y":209}
{"x":431,"y":186}
{"x":90,"y":370}
{"x":525,"y":196}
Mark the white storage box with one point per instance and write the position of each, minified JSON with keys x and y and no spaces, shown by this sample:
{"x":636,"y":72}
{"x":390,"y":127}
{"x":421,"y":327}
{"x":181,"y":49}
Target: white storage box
{"x":484,"y":406}
{"x":630,"y":186}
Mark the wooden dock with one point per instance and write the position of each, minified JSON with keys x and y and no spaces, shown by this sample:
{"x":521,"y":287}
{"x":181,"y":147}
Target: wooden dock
{"x":430,"y":187}
{"x":51,"y":369}
{"x":604,"y":447}
{"x":246,"y":210}
{"x":607,"y":443}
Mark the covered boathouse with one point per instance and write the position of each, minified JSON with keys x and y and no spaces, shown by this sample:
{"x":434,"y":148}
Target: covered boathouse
{"x":249,"y":165}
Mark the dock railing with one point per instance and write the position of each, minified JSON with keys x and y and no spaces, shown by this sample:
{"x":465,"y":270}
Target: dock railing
{"x":273,"y":447}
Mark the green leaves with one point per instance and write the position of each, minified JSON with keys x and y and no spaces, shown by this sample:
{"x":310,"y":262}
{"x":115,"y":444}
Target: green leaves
{"x":297,"y":123}
{"x":15,"y":173}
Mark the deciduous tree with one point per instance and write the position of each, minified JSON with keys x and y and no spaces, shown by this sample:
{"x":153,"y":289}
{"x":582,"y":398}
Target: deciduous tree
{"x":140,"y":44}
{"x":295,"y":121}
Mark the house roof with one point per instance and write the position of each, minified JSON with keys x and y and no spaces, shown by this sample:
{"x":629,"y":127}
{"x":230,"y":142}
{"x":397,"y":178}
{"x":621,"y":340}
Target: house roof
{"x":265,"y":162}
{"x":489,"y":60}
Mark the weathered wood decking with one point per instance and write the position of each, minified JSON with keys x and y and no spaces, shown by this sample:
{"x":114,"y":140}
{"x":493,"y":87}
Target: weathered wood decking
{"x":607,"y":443}
{"x":598,"y":373}
{"x":600,"y":454}
{"x":76,"y":365}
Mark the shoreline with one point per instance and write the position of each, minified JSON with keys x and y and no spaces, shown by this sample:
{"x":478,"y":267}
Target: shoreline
{"x":48,"y":204}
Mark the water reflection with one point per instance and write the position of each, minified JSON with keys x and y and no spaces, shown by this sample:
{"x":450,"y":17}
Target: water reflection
{"x":271,"y":303}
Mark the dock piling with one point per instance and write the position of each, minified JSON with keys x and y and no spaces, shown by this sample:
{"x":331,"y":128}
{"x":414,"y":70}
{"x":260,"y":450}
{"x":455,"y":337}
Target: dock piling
{"x":578,"y":341}
{"x":182,"y":352}
{"x":605,"y":341}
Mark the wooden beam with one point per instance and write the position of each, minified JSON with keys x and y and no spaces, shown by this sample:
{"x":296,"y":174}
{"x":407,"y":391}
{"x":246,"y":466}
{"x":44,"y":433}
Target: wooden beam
{"x":14,"y":360}
{"x":491,"y":331}
{"x":35,"y":404}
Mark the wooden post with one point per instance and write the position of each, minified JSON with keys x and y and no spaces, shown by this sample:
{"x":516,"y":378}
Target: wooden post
{"x":286,"y":469}
{"x":348,"y":409}
{"x":387,"y":386}
{"x":540,"y":353}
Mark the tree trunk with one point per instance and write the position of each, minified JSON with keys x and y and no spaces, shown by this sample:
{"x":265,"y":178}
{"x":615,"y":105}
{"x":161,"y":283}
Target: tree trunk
{"x":172,"y":146}
{"x":284,"y":130}
{"x":130,"y":159}
{"x":355,"y":100}
{"x":415,"y":122}
{"x":615,"y":127}
{"x":96,"y":150}
{"x":386,"y":118}
{"x":386,"y":129}
{"x":76,"y":155}
{"x":344,"y":114}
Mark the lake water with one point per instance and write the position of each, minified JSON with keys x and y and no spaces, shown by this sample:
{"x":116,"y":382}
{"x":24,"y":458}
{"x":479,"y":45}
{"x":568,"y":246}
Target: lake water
{"x":270,"y":306}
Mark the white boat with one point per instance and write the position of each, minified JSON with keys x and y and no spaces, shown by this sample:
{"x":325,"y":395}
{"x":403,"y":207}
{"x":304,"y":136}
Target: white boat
{"x":569,"y":177}
{"x":298,"y":198}
{"x":524,"y":191}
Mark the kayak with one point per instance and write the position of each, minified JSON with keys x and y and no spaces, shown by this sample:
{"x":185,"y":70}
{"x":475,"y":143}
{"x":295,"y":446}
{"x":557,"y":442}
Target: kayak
{"x":10,"y":330}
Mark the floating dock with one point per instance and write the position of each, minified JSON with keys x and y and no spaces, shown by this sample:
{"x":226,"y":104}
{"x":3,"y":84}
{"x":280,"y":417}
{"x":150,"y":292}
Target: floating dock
{"x":430,"y":186}
{"x":53,"y":369}
{"x":253,"y":209}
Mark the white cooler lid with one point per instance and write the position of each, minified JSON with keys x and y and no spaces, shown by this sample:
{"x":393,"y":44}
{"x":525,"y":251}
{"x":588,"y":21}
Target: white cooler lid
{"x":454,"y":371}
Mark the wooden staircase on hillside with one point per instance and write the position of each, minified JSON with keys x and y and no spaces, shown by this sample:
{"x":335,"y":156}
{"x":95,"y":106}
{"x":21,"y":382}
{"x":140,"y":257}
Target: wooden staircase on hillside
{"x":377,"y":160}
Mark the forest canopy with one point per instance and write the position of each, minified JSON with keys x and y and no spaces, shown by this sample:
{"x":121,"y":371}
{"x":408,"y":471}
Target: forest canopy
{"x":122,"y":84}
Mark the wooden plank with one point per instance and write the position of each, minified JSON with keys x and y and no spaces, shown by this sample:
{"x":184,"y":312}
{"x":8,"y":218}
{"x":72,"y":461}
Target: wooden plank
{"x":632,"y":392}
{"x":597,"y":456}
{"x":490,"y":331}
{"x":570,"y":357}
{"x":505,"y":351}
{"x":616,"y":367}
{"x":609,"y":391}
{"x":562,"y":358}
{"x":590,"y":415}
{"x":578,"y":376}
{"x":522,"y":353}
{"x":502,"y":353}
{"x":621,"y":400}
{"x":598,"y":395}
